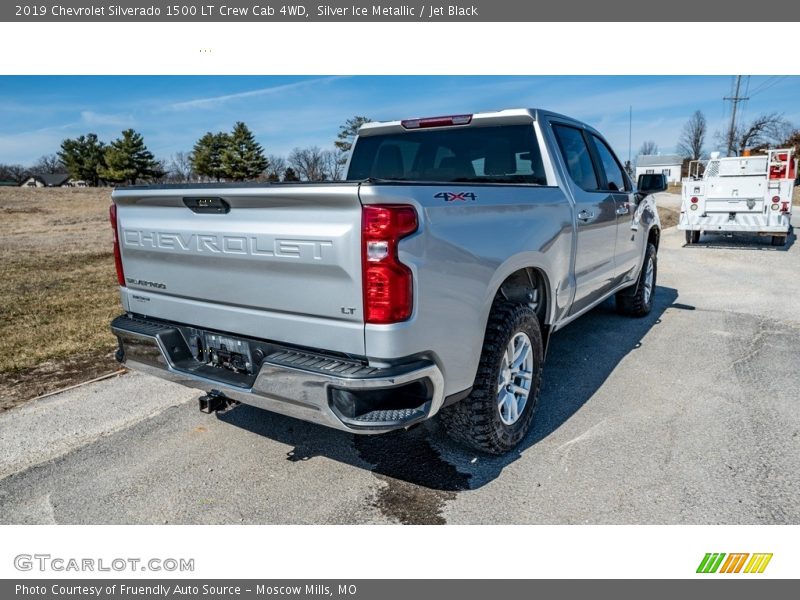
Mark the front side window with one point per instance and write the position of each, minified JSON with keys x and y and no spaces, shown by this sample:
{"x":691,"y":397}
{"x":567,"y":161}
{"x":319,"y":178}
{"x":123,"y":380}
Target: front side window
{"x":615,"y":178}
{"x":576,"y":155}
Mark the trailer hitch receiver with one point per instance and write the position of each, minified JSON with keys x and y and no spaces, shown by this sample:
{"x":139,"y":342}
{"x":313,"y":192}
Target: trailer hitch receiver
{"x":215,"y":401}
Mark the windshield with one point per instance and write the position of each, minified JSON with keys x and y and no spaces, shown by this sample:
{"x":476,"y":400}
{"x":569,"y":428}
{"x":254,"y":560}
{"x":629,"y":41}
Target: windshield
{"x":501,"y":154}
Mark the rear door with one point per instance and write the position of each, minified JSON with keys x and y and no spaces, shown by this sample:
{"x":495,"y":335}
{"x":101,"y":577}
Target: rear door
{"x":596,"y":217}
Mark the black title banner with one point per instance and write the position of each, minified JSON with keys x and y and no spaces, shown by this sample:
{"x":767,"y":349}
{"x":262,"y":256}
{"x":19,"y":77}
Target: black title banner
{"x":597,"y":11}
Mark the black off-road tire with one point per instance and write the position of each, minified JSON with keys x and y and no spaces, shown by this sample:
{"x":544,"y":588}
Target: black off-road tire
{"x":475,"y":420}
{"x":779,"y":240}
{"x":692,"y":237}
{"x":631,"y":301}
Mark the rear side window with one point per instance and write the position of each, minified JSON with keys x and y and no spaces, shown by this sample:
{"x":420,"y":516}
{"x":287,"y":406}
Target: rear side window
{"x":576,"y":156}
{"x":615,"y":178}
{"x":495,"y":154}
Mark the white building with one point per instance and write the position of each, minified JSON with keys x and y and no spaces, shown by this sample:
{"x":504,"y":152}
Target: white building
{"x":52,"y":180}
{"x":668,"y":164}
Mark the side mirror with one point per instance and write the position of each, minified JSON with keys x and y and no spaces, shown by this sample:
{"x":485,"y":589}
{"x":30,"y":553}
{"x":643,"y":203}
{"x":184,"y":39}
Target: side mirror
{"x":650,"y":183}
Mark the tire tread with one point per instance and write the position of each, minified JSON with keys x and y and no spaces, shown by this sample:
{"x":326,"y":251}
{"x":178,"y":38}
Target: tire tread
{"x":630,"y":301}
{"x":474,"y":420}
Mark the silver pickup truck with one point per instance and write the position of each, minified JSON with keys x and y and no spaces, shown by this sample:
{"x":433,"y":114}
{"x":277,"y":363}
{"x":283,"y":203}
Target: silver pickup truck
{"x":427,"y":283}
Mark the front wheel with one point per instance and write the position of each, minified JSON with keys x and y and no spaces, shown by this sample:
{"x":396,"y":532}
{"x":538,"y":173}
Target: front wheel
{"x":498,"y":413}
{"x":637,"y":300}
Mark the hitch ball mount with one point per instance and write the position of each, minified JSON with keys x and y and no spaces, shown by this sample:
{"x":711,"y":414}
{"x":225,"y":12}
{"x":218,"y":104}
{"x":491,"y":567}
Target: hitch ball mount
{"x":215,"y":401}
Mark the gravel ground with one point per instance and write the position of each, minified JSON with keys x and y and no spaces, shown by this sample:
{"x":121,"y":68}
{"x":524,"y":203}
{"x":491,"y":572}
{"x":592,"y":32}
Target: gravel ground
{"x":689,"y":415}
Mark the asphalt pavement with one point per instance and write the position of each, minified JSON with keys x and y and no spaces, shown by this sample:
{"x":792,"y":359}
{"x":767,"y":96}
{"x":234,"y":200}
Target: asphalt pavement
{"x":690,"y":415}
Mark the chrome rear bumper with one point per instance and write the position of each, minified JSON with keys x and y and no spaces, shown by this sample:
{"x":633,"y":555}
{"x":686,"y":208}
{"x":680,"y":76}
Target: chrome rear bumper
{"x":310,"y":386}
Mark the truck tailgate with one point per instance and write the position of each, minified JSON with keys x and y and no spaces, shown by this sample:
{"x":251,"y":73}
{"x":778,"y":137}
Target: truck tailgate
{"x":735,"y":194}
{"x":279,"y":262}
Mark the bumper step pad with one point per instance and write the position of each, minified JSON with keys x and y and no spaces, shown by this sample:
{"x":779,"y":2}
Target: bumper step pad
{"x":311,"y":385}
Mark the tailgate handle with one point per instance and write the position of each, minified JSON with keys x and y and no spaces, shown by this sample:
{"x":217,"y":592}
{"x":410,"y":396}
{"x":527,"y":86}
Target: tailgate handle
{"x":207,"y":204}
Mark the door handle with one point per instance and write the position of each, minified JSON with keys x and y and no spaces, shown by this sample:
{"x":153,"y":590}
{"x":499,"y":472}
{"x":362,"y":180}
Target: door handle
{"x":623,"y":210}
{"x":585,"y":215}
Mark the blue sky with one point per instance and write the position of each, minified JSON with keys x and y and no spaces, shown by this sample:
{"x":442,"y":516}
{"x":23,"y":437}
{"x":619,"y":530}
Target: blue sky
{"x":37,"y":112}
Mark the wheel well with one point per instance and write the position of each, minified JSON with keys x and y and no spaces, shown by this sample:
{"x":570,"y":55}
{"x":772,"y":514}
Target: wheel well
{"x":654,"y":236}
{"x":527,"y":286}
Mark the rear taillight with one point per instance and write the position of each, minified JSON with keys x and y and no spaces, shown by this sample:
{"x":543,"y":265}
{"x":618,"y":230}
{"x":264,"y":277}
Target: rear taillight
{"x":112,"y":215}
{"x":387,"y":283}
{"x":695,"y":200}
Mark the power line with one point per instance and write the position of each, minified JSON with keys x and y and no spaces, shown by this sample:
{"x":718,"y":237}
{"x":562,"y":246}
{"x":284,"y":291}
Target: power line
{"x":763,"y":89}
{"x":764,"y":83}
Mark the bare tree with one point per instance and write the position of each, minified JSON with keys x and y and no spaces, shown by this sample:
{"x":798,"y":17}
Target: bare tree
{"x":49,"y":163}
{"x":159,"y":172}
{"x":765,"y":130}
{"x":276,"y":166}
{"x":792,"y":141}
{"x":179,"y":168}
{"x":693,"y":136}
{"x":648,"y":147}
{"x":334,"y":162}
{"x":308,"y":163}
{"x":15,"y":173}
{"x":629,"y":168}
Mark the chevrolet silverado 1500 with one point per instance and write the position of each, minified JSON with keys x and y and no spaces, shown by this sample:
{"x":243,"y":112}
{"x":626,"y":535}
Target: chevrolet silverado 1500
{"x":427,"y":283}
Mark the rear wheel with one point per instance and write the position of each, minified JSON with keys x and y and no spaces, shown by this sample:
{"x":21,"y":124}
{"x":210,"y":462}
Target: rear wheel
{"x":498,"y":413}
{"x":637,"y":300}
{"x":692,"y":237}
{"x":779,"y":240}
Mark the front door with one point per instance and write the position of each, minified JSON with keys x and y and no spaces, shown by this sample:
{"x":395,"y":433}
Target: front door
{"x":628,"y":251}
{"x":596,"y":223}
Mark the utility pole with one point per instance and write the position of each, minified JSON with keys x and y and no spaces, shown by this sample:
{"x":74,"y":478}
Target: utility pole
{"x":735,"y":100}
{"x":628,"y":164}
{"x":630,"y":130}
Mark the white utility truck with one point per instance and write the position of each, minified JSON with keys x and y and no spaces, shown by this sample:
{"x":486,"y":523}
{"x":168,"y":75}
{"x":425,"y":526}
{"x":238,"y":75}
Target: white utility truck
{"x":740,"y":194}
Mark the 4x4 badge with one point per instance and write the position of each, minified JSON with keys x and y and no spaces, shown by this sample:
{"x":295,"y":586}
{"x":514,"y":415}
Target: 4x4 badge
{"x":456,"y":196}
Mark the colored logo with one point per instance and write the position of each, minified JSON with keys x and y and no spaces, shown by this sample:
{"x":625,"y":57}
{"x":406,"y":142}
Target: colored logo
{"x":719,"y":562}
{"x":456,"y":196}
